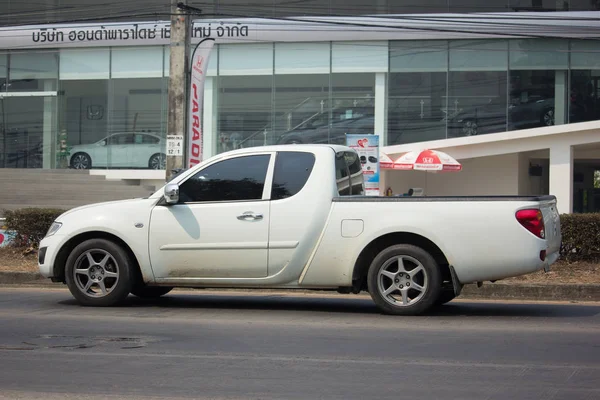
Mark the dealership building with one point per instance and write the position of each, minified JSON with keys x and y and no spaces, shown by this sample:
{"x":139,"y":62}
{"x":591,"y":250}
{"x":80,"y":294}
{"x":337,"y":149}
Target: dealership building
{"x":511,"y":90}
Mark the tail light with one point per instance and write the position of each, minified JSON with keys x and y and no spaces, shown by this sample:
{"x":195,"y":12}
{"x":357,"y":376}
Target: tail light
{"x":533,"y":221}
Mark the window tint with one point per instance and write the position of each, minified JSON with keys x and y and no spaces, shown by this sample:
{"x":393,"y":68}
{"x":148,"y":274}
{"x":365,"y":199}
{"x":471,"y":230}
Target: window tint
{"x":292,"y":170}
{"x":240,"y":178}
{"x":141,"y":138}
{"x":124,"y":138}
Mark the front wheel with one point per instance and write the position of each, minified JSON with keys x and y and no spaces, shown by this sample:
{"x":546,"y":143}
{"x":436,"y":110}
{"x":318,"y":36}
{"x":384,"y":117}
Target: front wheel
{"x":404,"y":280}
{"x":81,"y":161}
{"x":98,"y":273}
{"x":548,"y":117}
{"x":470,"y":127}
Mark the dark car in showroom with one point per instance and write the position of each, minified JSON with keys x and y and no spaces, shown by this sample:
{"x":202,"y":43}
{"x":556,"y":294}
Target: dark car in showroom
{"x":319,"y":129}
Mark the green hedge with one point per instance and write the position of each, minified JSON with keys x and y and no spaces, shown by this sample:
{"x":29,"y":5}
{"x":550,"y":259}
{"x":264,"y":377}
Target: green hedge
{"x":30,"y":224}
{"x":580,"y":237}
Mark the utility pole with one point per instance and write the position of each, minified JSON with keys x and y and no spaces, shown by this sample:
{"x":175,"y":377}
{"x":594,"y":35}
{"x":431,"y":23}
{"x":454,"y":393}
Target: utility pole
{"x":178,"y":71}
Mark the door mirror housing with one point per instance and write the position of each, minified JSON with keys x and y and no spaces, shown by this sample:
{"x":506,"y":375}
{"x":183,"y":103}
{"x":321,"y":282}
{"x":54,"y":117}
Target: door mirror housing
{"x":171,"y":193}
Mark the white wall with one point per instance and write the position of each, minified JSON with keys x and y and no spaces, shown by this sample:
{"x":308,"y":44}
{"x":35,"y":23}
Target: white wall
{"x":485,"y":176}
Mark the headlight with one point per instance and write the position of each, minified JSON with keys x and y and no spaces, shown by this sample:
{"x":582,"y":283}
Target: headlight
{"x":53,"y":228}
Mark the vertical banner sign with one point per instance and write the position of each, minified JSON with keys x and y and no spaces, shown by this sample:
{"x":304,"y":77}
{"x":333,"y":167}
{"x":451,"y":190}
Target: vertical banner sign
{"x":198,"y":69}
{"x":367,"y":147}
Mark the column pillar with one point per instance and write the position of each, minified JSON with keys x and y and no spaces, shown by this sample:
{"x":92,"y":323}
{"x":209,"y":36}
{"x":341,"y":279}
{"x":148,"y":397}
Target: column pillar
{"x":560,"y":97}
{"x":381,"y":107}
{"x":210,"y":117}
{"x":561,"y":176}
{"x":48,"y":136}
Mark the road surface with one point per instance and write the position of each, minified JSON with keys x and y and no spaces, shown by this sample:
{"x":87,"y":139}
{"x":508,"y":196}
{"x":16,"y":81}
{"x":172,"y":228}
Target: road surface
{"x":203,"y":345}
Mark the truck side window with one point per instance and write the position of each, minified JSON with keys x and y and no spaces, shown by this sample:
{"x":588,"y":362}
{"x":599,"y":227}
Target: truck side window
{"x":348,"y":168}
{"x":292,"y":170}
{"x":235,"y":179}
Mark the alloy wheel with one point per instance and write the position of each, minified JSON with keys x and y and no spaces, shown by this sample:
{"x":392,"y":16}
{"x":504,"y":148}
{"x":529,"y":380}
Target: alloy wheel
{"x":402,"y":281}
{"x":96,"y":273}
{"x":80,"y":161}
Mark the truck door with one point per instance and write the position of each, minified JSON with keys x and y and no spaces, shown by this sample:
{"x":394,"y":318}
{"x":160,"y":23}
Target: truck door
{"x":300,"y":204}
{"x":220,"y":227}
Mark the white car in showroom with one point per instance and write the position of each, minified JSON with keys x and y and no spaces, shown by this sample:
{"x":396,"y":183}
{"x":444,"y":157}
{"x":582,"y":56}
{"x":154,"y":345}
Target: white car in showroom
{"x":121,"y":150}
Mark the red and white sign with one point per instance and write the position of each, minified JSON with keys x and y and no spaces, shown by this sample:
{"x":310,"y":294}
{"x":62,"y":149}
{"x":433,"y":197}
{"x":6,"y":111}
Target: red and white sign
{"x":427,"y":160}
{"x":385,"y":161}
{"x":200,"y":59}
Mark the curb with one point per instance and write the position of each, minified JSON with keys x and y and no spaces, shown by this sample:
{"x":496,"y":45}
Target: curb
{"x":492,"y":291}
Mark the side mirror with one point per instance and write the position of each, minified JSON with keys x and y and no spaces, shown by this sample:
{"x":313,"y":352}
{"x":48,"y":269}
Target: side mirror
{"x":171,"y":193}
{"x":103,"y":143}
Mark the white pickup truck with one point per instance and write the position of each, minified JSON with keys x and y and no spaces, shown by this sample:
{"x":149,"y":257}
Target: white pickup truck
{"x":295,"y":217}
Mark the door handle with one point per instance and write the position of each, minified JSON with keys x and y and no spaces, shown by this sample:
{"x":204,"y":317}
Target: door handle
{"x":249,"y":216}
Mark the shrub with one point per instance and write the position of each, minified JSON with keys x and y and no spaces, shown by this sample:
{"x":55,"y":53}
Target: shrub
{"x":30,"y":224}
{"x":580,"y":237}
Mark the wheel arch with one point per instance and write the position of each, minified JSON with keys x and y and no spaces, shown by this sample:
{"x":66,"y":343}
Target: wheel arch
{"x":61,"y":257}
{"x":366,"y":256}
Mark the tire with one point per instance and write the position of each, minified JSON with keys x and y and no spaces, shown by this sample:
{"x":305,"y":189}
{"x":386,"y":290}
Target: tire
{"x":158,"y":161}
{"x":470,"y":128}
{"x":446,"y":296}
{"x":405,"y":298}
{"x":109,"y":258}
{"x":150,"y":292}
{"x":81,"y":160}
{"x":547,"y":118}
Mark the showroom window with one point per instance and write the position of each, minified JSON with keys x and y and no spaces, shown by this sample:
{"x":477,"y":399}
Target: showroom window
{"x":83,"y":107}
{"x":292,"y":170}
{"x":28,"y":109}
{"x":244,"y":111}
{"x":537,"y":83}
{"x":354,"y":65}
{"x":417,"y":91}
{"x":301,"y":109}
{"x":136,"y":105}
{"x":584,"y":96}
{"x":477,"y":87}
{"x":236,"y":179}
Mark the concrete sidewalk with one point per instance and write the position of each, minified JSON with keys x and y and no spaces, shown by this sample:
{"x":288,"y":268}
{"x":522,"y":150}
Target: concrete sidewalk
{"x":494,"y":291}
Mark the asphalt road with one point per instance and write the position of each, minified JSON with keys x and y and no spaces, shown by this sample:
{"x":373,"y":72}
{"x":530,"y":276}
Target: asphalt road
{"x":271,"y":346}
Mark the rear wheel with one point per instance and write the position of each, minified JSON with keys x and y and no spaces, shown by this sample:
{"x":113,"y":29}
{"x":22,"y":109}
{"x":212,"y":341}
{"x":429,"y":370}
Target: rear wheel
{"x":446,"y":296}
{"x":150,"y":292}
{"x":98,"y":273}
{"x":158,"y":161}
{"x":470,"y":127}
{"x":404,"y":280}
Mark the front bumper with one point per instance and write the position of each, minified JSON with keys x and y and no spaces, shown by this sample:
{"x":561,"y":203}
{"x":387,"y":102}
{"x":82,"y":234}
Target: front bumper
{"x":49,"y":247}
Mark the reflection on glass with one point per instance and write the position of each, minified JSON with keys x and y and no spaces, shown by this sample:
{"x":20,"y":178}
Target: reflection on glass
{"x":416,"y":107}
{"x":417,"y":91}
{"x":27,"y":137}
{"x":532,"y":99}
{"x":138,"y":124}
{"x":244,"y":111}
{"x":301,"y":109}
{"x":585,"y":96}
{"x":476,"y":103}
{"x":83,"y":119}
{"x":32,"y":71}
{"x":235,"y":179}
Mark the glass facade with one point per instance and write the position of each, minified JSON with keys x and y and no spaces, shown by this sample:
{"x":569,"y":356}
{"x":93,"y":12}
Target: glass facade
{"x":107,"y":107}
